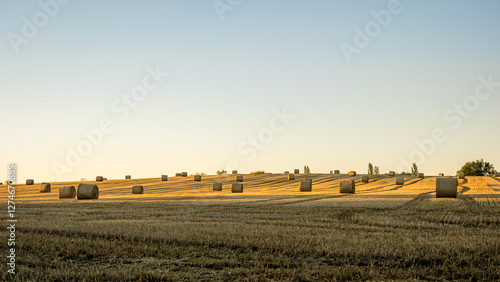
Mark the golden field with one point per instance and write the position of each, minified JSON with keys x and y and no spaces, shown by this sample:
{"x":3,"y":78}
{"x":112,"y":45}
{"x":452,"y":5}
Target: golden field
{"x":182,"y":230}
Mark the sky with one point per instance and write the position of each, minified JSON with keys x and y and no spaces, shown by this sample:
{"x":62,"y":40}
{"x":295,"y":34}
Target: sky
{"x":157,"y":87}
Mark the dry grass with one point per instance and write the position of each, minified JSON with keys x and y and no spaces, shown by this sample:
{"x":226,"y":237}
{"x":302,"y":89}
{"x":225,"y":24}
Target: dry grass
{"x":186,"y":231}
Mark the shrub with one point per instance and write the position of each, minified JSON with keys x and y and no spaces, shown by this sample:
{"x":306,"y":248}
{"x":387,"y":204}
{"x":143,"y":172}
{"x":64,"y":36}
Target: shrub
{"x":306,"y":169}
{"x":414,"y":169}
{"x":477,"y":168}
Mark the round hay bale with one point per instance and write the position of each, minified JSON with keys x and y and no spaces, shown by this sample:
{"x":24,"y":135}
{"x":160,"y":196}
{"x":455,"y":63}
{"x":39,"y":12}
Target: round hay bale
{"x":336,"y":171}
{"x":128,"y":177}
{"x":67,"y":192}
{"x":441,"y":174}
{"x":352,"y":173}
{"x":178,"y":174}
{"x":217,"y":186}
{"x":461,"y":175}
{"x":138,"y":189}
{"x":497,"y":174}
{"x":29,"y":182}
{"x":235,"y":172}
{"x":364,"y":179}
{"x":286,"y":172}
{"x":331,"y":171}
{"x":237,"y":188}
{"x":446,"y":187}
{"x":45,"y":188}
{"x":347,"y":186}
{"x":184,"y":174}
{"x":239,"y":178}
{"x":306,"y":186}
{"x":400,"y":181}
{"x":99,"y":178}
{"x":291,"y":177}
{"x":105,"y":178}
{"x":164,"y":178}
{"x":296,"y":171}
{"x":197,"y":177}
{"x":420,"y":175}
{"x":87,"y":192}
{"x":392,"y":173}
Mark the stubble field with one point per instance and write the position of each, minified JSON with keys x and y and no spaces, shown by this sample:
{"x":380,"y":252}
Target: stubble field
{"x":182,"y":230}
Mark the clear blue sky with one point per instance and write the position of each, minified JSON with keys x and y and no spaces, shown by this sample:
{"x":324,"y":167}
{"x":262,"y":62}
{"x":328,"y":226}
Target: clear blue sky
{"x":227,"y":77}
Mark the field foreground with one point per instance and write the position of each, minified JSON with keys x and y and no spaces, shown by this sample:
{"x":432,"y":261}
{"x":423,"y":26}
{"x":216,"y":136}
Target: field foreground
{"x":181,"y":230}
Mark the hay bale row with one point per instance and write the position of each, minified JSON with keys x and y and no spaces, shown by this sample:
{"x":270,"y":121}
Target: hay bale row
{"x":45,"y":188}
{"x":197,"y":177}
{"x":239,"y":178}
{"x":291,"y":177}
{"x":352,"y":173}
{"x":347,"y":186}
{"x":237,"y":188}
{"x":400,"y":181}
{"x":392,"y":173}
{"x":99,"y":178}
{"x":67,"y":192}
{"x":364,"y":179}
{"x":446,"y":187}
{"x":217,"y":186}
{"x":286,"y":172}
{"x":28,"y":182}
{"x":87,"y":192}
{"x":128,"y":177}
{"x":164,"y":177}
{"x":139,"y":189}
{"x":306,"y":186}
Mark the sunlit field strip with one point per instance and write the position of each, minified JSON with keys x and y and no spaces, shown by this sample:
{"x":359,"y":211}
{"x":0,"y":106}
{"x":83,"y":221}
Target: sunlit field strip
{"x":271,"y":188}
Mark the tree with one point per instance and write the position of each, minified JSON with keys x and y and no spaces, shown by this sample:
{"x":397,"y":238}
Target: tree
{"x":306,"y":169}
{"x":377,"y":171}
{"x":370,"y":168}
{"x":221,"y":172}
{"x":477,"y":168}
{"x":414,"y":169}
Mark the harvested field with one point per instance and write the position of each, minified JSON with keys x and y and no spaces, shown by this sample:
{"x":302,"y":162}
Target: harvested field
{"x":183,"y":230}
